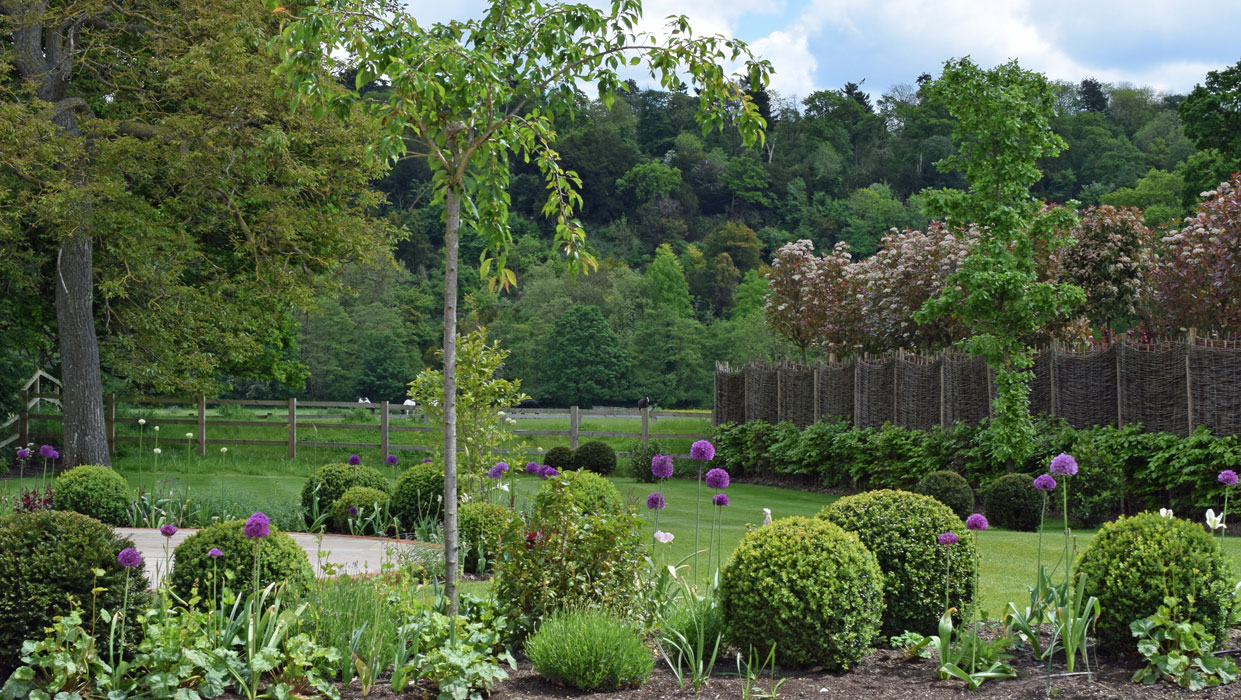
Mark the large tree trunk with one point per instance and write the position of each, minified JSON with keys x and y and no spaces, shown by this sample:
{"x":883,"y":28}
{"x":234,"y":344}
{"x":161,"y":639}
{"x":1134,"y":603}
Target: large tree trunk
{"x":85,"y":437}
{"x":453,"y":206}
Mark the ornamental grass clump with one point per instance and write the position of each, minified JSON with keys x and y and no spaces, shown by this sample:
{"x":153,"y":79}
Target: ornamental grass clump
{"x":806,"y":588}
{"x":591,"y":651}
{"x":902,"y":529}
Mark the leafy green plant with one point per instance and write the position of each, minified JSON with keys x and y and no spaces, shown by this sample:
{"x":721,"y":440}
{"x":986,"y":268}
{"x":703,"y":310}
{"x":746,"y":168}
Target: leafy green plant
{"x":591,"y":651}
{"x":949,"y":488}
{"x":589,"y":492}
{"x":692,"y":631}
{"x":1179,"y":652}
{"x":483,"y":526}
{"x":96,"y":491}
{"x":967,"y":656}
{"x":638,"y":463}
{"x":60,"y":665}
{"x":362,"y":510}
{"x":753,"y":671}
{"x":915,"y":646}
{"x":419,"y":494}
{"x":462,"y":672}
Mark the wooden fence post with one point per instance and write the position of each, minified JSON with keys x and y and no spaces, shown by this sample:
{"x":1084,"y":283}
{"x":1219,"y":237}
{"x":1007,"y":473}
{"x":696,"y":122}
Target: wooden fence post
{"x":779,"y":393}
{"x":573,"y":421}
{"x":1051,"y":400}
{"x":646,"y":426}
{"x":1189,"y":384}
{"x":23,"y":420}
{"x":814,"y":410}
{"x":292,"y":428}
{"x":383,"y":432}
{"x":109,"y":423}
{"x":202,"y":426}
{"x":943,"y":407}
{"x":1117,"y":347}
{"x":896,"y":370}
{"x":857,"y":389}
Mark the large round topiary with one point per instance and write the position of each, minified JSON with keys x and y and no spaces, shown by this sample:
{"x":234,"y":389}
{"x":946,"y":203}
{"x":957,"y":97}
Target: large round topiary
{"x":364,"y":501}
{"x":902,"y":529}
{"x":559,"y":457}
{"x":419,"y":494}
{"x":589,"y":493}
{"x":47,"y":564}
{"x":483,"y":525}
{"x":96,"y":491}
{"x":595,"y":456}
{"x":949,"y":488}
{"x":1133,"y":563}
{"x":280,"y":559}
{"x":807,"y":587}
{"x":1012,"y":502}
{"x":331,"y":481}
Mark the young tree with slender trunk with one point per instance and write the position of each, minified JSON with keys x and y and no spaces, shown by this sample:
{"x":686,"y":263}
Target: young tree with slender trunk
{"x":469,"y":95}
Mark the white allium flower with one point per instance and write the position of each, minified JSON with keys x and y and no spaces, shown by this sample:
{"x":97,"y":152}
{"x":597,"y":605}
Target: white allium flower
{"x":142,"y":421}
{"x":158,"y":451}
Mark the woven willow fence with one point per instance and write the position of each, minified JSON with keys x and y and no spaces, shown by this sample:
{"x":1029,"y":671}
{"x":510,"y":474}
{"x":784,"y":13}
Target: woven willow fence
{"x":1173,"y":387}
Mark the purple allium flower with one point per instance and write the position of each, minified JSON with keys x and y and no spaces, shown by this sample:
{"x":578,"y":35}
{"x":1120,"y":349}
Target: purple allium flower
{"x":258,"y":526}
{"x":702,"y":450}
{"x":532,"y":467}
{"x":717,"y":479}
{"x":655,"y":501}
{"x":23,"y":453}
{"x":661,"y":466}
{"x":428,"y":459}
{"x":547,"y":471}
{"x":168,"y":530}
{"x":720,"y":499}
{"x":129,"y":558}
{"x":976,"y":522}
{"x":391,"y":460}
{"x":1045,"y":482}
{"x":1064,"y":464}
{"x":215,"y":553}
{"x":46,"y":452}
{"x":355,"y":460}
{"x":1228,"y":477}
{"x":353,"y":511}
{"x":497,"y":471}
{"x":947,"y":539}
{"x":54,"y":455}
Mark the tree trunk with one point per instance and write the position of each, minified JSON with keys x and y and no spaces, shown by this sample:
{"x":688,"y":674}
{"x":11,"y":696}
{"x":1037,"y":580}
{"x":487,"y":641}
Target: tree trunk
{"x":84,"y":435}
{"x":452,"y":205}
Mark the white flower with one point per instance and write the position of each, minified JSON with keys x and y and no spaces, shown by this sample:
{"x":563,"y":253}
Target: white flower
{"x":504,"y":487}
{"x":1165,"y":512}
{"x":500,"y":414}
{"x":663,"y":537}
{"x":223,"y":450}
{"x":156,"y":428}
{"x":766,"y":516}
{"x":1215,"y":522}
{"x":510,"y":421}
{"x":672,"y":571}
{"x":158,"y":451}
{"x":142,"y":421}
{"x":190,"y":435}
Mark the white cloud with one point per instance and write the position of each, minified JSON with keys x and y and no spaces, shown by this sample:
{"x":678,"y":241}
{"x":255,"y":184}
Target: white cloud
{"x":792,"y":60}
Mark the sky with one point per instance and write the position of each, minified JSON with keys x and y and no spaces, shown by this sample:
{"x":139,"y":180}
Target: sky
{"x":1168,"y":45}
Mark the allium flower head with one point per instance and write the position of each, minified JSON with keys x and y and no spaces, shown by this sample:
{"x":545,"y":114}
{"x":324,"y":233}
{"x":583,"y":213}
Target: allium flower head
{"x":157,"y":451}
{"x":142,"y":421}
{"x":1228,"y":477}
{"x":661,"y":466}
{"x":129,"y":558}
{"x":532,"y":467}
{"x":947,"y":539}
{"x":702,"y":450}
{"x":355,"y":460}
{"x":428,"y":459}
{"x":215,"y":553}
{"x":190,"y":435}
{"x":497,"y":471}
{"x":168,"y":530}
{"x":663,"y":537}
{"x":46,"y":451}
{"x":391,"y":460}
{"x":223,"y":450}
{"x":1045,"y":482}
{"x":976,"y":522}
{"x":55,"y":455}
{"x":1064,"y":464}
{"x":720,"y":499}
{"x":23,"y":453}
{"x":258,"y":526}
{"x":655,"y":501}
{"x":353,"y":511}
{"x":717,"y":479}
{"x":547,"y":471}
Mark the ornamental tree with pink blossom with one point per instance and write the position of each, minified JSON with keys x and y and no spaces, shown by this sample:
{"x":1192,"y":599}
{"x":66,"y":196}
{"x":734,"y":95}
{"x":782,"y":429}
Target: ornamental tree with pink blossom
{"x":1109,"y":259}
{"x":811,"y":299}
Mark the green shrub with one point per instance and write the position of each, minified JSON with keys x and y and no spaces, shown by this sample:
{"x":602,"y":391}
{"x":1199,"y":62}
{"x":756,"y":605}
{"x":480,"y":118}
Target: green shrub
{"x":590,"y":651}
{"x":901,"y":529}
{"x":96,"y":491}
{"x":559,"y":457}
{"x":419,"y":494}
{"x":280,"y":559}
{"x":949,"y":488}
{"x":482,"y":526}
{"x":595,"y":456}
{"x":590,"y":493}
{"x":783,"y":456}
{"x":818,"y":452}
{"x":1012,"y":502}
{"x":365,"y":500}
{"x":640,"y":456}
{"x":1132,"y":564}
{"x":331,"y":481}
{"x":1098,"y":489}
{"x":560,"y":559}
{"x":47,"y":564}
{"x":807,"y":587}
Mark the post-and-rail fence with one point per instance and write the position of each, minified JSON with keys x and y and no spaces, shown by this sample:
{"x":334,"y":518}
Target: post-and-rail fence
{"x":1168,"y":386}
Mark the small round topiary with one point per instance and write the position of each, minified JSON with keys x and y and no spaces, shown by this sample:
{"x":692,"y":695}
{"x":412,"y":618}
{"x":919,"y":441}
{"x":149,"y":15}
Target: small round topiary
{"x":595,"y":456}
{"x":589,"y":493}
{"x":47,"y":564}
{"x":364,"y":500}
{"x":559,"y":457}
{"x":331,"y":481}
{"x":640,"y":457}
{"x":591,"y":651}
{"x":483,"y":525}
{"x":1012,"y":502}
{"x":949,"y":488}
{"x":1133,"y":563}
{"x":902,"y":528}
{"x":280,"y":559}
{"x":96,"y":491}
{"x":807,"y":587}
{"x":419,"y":494}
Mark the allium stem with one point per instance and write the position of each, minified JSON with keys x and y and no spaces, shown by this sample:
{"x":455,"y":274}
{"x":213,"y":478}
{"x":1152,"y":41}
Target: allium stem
{"x":1223,"y":518}
{"x":947,"y":574}
{"x":697,"y":519}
